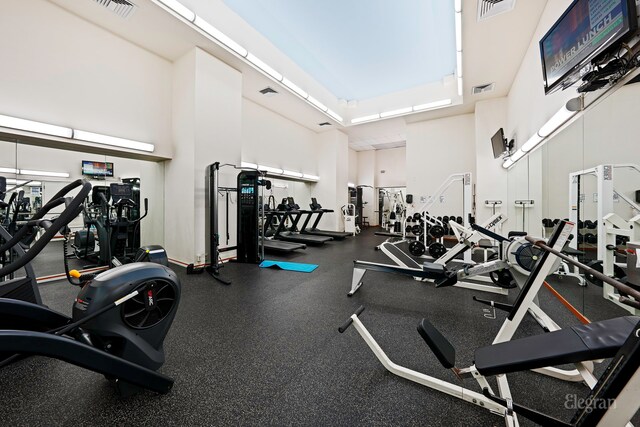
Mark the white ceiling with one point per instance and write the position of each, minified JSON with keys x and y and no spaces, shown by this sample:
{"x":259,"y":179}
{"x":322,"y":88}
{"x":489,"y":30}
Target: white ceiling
{"x":492,"y":52}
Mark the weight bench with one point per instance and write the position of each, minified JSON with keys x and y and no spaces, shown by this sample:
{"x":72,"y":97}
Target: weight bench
{"x":597,"y":340}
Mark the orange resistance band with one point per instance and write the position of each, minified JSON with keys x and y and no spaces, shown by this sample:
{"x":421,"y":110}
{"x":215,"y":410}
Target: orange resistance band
{"x":567,"y":304}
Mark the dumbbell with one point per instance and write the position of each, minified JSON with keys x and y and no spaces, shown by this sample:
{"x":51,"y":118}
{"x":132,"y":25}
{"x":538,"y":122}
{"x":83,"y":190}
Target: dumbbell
{"x":445,"y":219}
{"x":591,"y":225}
{"x":591,"y":238}
{"x":556,"y":221}
{"x":408,"y":228}
{"x":547,"y":223}
{"x":459,"y":220}
{"x":580,"y":237}
{"x":580,"y":224}
{"x":621,"y":240}
{"x":417,"y":216}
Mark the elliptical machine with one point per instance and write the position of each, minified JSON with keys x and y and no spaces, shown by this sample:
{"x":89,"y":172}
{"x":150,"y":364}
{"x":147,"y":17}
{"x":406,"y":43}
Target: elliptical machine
{"x":116,"y":227}
{"x":120,"y":317}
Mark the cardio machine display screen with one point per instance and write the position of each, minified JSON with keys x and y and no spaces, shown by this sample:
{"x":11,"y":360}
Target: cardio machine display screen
{"x":97,"y":168}
{"x":119,"y":191}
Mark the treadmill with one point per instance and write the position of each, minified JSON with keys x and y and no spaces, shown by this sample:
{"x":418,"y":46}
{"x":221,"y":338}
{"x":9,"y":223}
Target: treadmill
{"x":277,"y":246}
{"x":291,"y":234}
{"x":316,"y":208}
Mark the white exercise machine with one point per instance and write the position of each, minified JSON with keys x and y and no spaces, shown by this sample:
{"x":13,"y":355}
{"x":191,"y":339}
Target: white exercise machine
{"x":616,"y":338}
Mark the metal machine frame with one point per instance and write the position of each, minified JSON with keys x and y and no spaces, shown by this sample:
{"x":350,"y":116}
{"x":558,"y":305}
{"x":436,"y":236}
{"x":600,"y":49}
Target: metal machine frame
{"x":609,"y":224}
{"x":503,"y":405}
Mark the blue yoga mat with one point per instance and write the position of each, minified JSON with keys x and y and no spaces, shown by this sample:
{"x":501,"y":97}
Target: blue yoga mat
{"x":290,"y":266}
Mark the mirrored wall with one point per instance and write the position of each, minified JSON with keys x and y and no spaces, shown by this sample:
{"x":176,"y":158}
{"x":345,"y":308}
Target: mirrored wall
{"x":35,"y":174}
{"x":589,"y":173}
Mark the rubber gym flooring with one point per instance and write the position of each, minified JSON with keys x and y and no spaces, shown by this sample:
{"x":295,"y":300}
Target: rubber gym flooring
{"x":266,"y":351}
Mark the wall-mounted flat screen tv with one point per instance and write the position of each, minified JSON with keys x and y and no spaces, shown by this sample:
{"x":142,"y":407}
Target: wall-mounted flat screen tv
{"x":585,"y":30}
{"x":498,"y":143}
{"x":102,"y":169}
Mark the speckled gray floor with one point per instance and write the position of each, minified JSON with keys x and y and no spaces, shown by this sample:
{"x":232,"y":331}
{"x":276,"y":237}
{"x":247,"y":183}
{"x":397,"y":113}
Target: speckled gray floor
{"x":266,"y":351}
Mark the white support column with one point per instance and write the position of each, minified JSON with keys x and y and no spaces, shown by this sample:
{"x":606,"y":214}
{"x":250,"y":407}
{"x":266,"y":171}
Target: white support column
{"x":604,"y":175}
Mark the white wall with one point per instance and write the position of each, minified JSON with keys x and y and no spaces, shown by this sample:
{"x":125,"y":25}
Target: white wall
{"x":435,"y":150}
{"x":491,"y":178}
{"x":273,"y":140}
{"x":393,"y":162}
{"x":60,"y":69}
{"x":353,"y":166}
{"x":179,"y":172}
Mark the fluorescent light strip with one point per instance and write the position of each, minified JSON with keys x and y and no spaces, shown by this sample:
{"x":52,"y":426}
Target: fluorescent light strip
{"x":365,"y":118}
{"x":261,"y":65}
{"x":294,"y":88}
{"x":432,"y":105}
{"x":556,"y":121}
{"x":220,"y":36}
{"x":248,"y":165}
{"x":317,"y":103}
{"x":459,"y":86}
{"x":44,"y":173}
{"x":459,"y":63}
{"x":517,"y":155}
{"x":292,"y":174}
{"x":310,"y":177}
{"x":22,"y":182}
{"x":552,"y":125}
{"x":32,"y":126}
{"x":351,"y":184}
{"x":8,"y":170}
{"x":458,"y":6}
{"x":334,"y":115}
{"x":180,"y":9}
{"x":229,"y":43}
{"x":531,"y":143}
{"x":397,"y":112}
{"x":112,"y":140}
{"x":268,"y":169}
{"x":458,"y":31}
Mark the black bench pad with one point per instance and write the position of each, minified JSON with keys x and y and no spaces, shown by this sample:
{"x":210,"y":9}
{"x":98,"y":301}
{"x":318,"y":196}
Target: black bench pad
{"x":597,"y":340}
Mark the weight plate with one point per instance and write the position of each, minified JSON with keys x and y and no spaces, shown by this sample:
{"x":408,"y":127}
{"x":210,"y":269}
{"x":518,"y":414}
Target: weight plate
{"x":503,"y":278}
{"x":416,"y":248}
{"x":436,"y":250}
{"x":417,"y":229}
{"x":437,"y":231}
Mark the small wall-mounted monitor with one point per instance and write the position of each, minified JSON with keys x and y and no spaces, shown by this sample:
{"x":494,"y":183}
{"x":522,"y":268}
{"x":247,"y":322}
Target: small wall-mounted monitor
{"x":585,"y":30}
{"x":498,"y":143}
{"x":97,"y":169}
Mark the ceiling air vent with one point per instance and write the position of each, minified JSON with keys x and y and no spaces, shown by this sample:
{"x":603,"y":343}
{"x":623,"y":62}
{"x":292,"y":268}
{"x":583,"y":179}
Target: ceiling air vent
{"x":490,"y":8}
{"x":122,"y":8}
{"x":477,"y":90}
{"x":268,"y":91}
{"x":324,"y":124}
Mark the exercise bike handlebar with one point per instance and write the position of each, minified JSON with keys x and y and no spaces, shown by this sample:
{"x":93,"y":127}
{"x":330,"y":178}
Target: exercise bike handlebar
{"x":349,"y":321}
{"x":625,"y":289}
{"x":72,"y":210}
